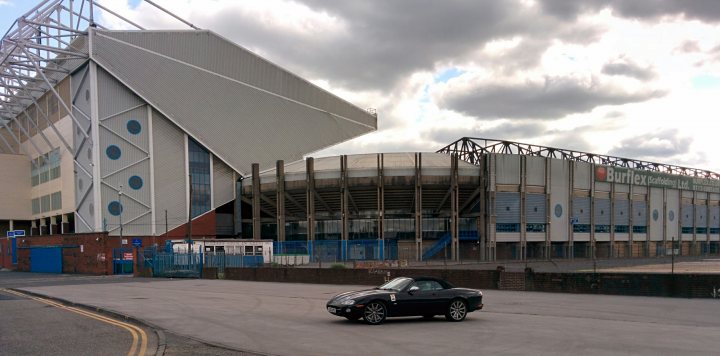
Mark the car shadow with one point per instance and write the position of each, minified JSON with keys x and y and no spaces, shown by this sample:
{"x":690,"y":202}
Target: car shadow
{"x":409,"y":320}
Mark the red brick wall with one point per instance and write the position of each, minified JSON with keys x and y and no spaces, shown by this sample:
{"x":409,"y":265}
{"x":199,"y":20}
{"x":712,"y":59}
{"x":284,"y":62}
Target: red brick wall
{"x":203,"y":226}
{"x":94,"y":258}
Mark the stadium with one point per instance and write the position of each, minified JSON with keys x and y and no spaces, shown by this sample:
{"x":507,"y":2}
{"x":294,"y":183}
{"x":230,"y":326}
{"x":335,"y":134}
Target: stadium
{"x":173,"y":134}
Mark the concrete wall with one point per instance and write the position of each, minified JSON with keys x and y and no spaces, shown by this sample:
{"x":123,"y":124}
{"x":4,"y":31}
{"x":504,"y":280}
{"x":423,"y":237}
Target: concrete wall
{"x":15,"y":187}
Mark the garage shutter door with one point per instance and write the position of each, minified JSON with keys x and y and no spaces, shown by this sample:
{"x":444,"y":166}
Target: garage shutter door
{"x":46,"y":259}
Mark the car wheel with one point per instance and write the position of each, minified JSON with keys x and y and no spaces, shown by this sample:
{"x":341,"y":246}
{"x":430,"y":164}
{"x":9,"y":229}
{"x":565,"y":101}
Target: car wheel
{"x":374,"y":313}
{"x":457,"y":310}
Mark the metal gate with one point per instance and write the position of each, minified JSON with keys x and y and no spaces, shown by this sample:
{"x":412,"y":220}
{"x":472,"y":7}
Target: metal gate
{"x":46,"y":259}
{"x":123,"y":260}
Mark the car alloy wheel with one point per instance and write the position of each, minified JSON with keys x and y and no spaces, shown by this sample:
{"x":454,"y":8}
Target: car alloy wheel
{"x":457,"y":310}
{"x":374,"y":313}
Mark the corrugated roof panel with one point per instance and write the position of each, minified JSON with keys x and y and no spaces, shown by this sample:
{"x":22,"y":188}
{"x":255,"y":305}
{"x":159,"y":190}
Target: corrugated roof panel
{"x":231,"y":60}
{"x":239,"y":123}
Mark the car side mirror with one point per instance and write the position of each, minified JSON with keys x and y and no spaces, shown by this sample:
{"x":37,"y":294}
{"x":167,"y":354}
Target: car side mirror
{"x":413,"y":289}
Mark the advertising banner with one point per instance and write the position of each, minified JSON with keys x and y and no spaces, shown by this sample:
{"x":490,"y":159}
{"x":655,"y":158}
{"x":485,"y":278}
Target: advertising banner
{"x":653,"y":179}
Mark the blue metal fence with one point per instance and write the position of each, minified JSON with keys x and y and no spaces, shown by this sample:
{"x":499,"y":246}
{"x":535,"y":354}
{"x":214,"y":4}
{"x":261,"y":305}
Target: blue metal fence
{"x":190,"y":265}
{"x":339,"y":250}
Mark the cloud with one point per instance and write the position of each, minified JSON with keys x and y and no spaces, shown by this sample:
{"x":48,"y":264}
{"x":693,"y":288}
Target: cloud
{"x":374,"y":44}
{"x":505,"y":130}
{"x":659,"y":145}
{"x":704,"y":10}
{"x":629,"y":69}
{"x":5,"y":3}
{"x":551,"y":98}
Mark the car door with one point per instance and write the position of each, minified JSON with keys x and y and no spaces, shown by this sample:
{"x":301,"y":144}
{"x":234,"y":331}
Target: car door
{"x":438,"y":297}
{"x":415,"y":302}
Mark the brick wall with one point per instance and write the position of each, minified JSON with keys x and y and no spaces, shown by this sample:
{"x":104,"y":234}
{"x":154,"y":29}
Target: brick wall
{"x":512,"y":281}
{"x":460,"y":278}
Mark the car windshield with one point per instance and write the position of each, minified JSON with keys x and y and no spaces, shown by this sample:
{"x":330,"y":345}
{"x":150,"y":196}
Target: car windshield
{"x":396,"y":284}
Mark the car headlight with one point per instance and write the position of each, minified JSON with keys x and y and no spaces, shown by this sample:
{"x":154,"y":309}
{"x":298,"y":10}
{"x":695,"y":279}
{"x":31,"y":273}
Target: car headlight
{"x":348,"y":302}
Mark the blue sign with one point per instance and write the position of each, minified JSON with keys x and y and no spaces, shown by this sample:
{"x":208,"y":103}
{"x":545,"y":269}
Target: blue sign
{"x":11,"y":234}
{"x":19,"y":233}
{"x":137,"y":242}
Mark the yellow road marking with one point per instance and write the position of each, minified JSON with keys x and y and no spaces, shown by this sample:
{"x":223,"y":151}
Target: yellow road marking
{"x":132,"y":329}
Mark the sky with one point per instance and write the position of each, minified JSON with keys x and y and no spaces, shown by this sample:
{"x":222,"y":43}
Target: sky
{"x":636,"y":79}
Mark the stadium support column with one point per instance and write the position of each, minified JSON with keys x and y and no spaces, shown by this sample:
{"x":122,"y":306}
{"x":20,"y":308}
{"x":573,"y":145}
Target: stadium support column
{"x":570,"y":231}
{"x":523,"y":218}
{"x":256,"y":201}
{"x":418,"y":206}
{"x":483,"y":231}
{"x":454,"y":206}
{"x":613,"y":245}
{"x":344,"y":203}
{"x":381,"y":196}
{"x":280,"y":199}
{"x":548,"y":206}
{"x":593,"y":242}
{"x":310,"y":201}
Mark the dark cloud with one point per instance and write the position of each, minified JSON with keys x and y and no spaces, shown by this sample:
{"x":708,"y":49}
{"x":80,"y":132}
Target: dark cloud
{"x":383,"y":42}
{"x":629,"y":70}
{"x":704,"y":10}
{"x":553,"y":99}
{"x":660,"y":145}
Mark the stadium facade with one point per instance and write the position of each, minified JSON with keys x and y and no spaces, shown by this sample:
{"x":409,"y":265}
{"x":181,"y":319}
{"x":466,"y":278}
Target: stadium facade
{"x":484,"y":199}
{"x":136,"y":132}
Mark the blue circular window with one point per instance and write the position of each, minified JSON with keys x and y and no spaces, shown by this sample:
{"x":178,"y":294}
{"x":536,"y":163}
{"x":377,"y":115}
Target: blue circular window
{"x":115,"y":208}
{"x":135,"y":182}
{"x":558,"y":210}
{"x":134,"y":127}
{"x":671,"y":215}
{"x":656,"y":215}
{"x":113,"y":152}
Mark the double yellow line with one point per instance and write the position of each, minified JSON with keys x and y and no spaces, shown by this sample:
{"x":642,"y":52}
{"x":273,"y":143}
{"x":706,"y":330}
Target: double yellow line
{"x":138,"y":334}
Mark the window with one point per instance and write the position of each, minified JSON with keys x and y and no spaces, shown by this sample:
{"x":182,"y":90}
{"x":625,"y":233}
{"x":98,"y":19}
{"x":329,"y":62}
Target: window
{"x":602,"y":228}
{"x":36,"y":206}
{"x":622,"y":228}
{"x":581,"y":228}
{"x":535,"y":227}
{"x":45,"y":167}
{"x":45,"y":203}
{"x":639,"y":229}
{"x":687,"y":230}
{"x":714,"y":230}
{"x":199,"y":164}
{"x":507,"y":227}
{"x":701,"y":230}
{"x":56,"y":201}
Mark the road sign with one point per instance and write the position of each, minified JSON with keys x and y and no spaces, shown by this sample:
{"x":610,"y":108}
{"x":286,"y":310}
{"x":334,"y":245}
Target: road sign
{"x":11,"y":234}
{"x":137,"y":242}
{"x":127,"y":256}
{"x":19,"y":233}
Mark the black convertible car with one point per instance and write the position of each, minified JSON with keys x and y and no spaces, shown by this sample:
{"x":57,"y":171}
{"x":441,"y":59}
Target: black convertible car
{"x":403,"y":296}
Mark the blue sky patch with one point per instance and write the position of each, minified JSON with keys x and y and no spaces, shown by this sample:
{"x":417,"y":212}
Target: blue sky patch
{"x":448,"y":74}
{"x":705,"y":81}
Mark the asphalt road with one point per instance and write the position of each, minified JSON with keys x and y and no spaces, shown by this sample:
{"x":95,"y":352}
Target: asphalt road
{"x":290,"y":319}
{"x":30,"y":327}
